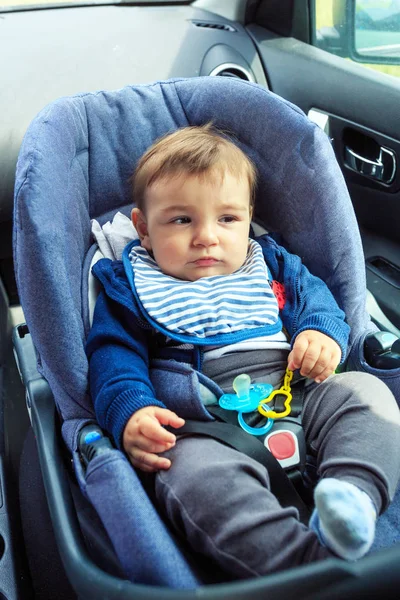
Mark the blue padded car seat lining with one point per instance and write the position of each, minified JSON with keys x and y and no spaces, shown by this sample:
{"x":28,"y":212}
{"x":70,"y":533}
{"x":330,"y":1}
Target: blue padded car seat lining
{"x":75,"y":164}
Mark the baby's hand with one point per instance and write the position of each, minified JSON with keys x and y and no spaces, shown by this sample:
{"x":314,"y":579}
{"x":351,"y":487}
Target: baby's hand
{"x":144,"y":437}
{"x":315,"y":354}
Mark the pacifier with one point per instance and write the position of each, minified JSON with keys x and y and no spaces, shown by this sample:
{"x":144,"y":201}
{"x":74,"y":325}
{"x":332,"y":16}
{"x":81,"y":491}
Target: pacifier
{"x":246,"y":399}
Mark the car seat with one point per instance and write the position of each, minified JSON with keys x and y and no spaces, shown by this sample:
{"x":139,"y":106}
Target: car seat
{"x":74,"y":165}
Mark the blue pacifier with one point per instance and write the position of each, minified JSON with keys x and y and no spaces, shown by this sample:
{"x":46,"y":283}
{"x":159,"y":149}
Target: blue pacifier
{"x":247,"y":399}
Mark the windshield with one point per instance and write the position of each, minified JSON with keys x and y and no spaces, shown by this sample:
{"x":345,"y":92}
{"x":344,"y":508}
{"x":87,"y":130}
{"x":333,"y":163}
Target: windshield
{"x":12,"y":5}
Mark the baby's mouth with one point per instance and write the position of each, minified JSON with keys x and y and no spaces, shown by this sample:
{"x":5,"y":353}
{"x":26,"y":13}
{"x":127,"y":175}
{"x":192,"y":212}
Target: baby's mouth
{"x":206,"y":261}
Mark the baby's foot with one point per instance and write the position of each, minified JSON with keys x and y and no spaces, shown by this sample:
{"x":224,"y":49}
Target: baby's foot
{"x":344,"y":518}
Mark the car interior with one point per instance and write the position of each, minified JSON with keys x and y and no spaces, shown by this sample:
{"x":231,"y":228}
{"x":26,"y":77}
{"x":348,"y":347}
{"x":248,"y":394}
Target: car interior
{"x":48,"y":549}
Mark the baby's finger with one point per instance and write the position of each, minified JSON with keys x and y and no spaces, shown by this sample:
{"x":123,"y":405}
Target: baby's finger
{"x":323,"y":362}
{"x":296,"y":356}
{"x":330,"y":369}
{"x":310,"y":358}
{"x":149,"y":445}
{"x":150,"y":428}
{"x":167,"y":417}
{"x":148,"y":462}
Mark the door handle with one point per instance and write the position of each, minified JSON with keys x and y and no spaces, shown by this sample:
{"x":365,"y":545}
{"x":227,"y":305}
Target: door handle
{"x":382,"y":169}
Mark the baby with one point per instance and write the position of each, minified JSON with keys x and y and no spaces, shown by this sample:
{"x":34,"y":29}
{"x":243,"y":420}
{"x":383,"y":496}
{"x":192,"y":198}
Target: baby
{"x":194,"y":295}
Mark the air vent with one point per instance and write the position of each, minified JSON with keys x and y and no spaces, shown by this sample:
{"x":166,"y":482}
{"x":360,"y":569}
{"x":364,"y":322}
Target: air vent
{"x":209,"y":25}
{"x":232,"y":70}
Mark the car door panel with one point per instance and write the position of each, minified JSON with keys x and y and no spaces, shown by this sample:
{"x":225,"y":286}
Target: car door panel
{"x":362,"y":107}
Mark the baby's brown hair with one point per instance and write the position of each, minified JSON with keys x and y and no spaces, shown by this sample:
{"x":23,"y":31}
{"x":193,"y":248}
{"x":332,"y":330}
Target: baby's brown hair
{"x":198,"y":150}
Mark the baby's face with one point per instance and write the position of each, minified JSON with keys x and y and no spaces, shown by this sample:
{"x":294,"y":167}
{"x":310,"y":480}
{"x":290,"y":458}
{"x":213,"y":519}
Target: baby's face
{"x":196,"y":227}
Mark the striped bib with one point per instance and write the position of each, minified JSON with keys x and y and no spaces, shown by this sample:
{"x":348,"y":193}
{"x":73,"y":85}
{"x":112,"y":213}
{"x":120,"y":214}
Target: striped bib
{"x":211,"y":305}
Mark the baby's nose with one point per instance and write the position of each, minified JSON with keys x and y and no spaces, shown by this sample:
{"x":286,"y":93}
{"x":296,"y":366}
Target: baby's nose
{"x":206,"y":235}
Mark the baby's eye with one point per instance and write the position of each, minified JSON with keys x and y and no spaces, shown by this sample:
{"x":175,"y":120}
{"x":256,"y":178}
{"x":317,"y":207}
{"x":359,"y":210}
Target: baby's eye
{"x":228,"y":219}
{"x":181,"y":220}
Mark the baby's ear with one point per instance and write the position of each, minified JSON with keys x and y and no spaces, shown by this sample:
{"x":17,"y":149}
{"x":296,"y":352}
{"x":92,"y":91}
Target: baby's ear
{"x":140,"y":224}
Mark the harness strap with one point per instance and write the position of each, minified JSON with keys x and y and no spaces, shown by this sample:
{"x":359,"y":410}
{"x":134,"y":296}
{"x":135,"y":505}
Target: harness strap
{"x":298,"y":393}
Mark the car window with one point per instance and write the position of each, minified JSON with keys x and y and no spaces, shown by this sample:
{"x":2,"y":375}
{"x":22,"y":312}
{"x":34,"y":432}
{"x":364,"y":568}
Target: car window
{"x":365,"y":31}
{"x":11,"y":5}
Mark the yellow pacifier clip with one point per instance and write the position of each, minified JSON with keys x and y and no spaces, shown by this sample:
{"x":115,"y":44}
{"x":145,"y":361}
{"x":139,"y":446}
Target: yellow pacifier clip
{"x":285,"y":390}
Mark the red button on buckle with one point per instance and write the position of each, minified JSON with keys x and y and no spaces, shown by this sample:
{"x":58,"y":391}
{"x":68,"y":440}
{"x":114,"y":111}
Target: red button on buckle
{"x":283,"y":444}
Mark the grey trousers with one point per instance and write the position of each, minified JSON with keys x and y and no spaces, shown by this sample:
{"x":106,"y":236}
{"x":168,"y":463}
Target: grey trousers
{"x":220,"y":499}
